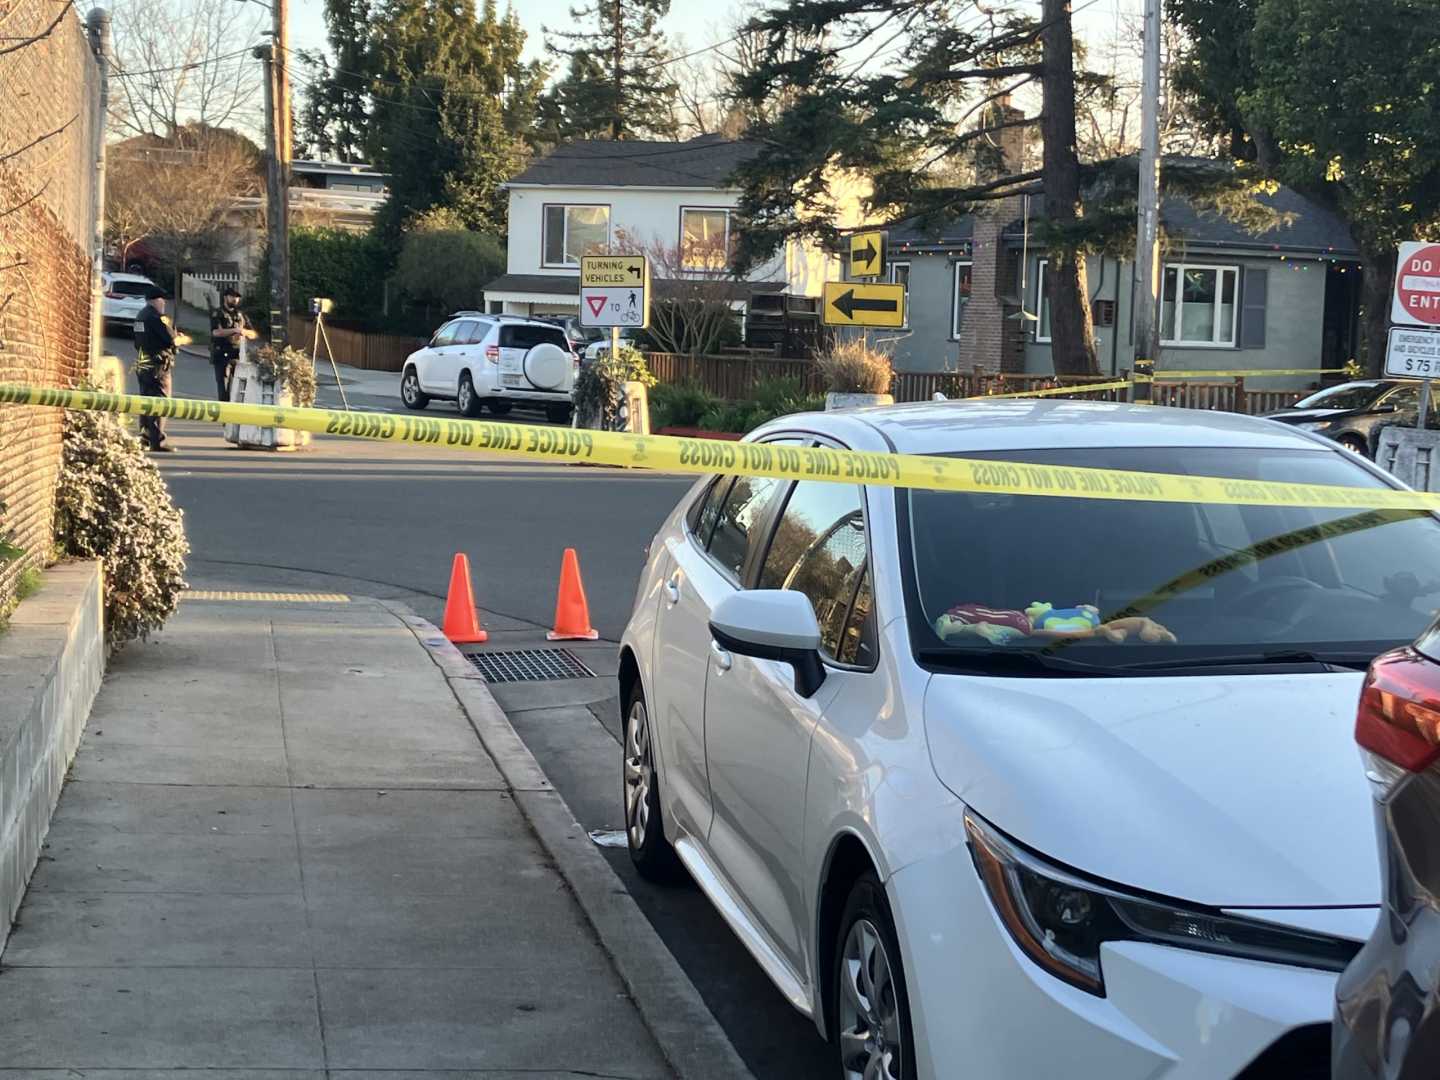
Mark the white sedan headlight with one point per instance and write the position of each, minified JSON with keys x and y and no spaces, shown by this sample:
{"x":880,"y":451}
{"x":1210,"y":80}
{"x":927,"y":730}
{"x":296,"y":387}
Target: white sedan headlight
{"x":1060,"y":920}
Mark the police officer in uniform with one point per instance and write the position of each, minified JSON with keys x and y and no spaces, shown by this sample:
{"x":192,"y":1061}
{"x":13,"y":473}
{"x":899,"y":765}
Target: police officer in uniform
{"x":157,"y":345}
{"x":228,"y":326}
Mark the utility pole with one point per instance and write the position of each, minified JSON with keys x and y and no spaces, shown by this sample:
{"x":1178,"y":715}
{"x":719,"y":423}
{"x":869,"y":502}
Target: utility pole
{"x":1147,"y":244}
{"x":98,"y":25}
{"x":277,"y":207}
{"x":281,"y":31}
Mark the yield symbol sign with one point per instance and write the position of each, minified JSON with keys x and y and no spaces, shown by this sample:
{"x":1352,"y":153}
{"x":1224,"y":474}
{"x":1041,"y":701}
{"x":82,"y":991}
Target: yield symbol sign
{"x":596,"y":303}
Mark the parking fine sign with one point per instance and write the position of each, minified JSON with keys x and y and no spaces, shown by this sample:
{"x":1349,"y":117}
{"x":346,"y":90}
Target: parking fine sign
{"x":1413,"y":354}
{"x":614,"y":291}
{"x":1417,"y":286}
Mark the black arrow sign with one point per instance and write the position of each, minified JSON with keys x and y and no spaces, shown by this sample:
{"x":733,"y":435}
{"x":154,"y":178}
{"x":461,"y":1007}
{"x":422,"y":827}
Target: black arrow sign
{"x":869,"y":251}
{"x":848,"y":303}
{"x":636,"y":271}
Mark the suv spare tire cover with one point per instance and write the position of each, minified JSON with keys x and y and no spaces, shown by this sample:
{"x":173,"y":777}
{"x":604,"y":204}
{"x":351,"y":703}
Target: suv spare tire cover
{"x":547,"y":366}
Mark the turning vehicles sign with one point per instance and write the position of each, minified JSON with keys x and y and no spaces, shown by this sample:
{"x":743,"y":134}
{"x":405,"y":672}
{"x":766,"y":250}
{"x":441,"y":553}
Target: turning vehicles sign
{"x":1417,"y":286}
{"x":614,"y":290}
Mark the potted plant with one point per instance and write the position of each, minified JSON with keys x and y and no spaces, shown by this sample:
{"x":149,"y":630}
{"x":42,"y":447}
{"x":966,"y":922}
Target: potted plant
{"x":855,"y":374}
{"x":601,"y":396}
{"x":270,"y":376}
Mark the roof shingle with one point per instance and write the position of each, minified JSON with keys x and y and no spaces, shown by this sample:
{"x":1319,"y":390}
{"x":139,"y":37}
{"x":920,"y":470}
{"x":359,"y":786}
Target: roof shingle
{"x":707,"y":161}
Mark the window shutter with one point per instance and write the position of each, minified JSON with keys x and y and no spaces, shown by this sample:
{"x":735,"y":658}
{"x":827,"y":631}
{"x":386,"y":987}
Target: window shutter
{"x":1252,"y":311}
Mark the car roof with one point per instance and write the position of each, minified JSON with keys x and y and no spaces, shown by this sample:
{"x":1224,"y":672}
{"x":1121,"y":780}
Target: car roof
{"x":1039,"y":424}
{"x":510,"y":320}
{"x":114,"y":275}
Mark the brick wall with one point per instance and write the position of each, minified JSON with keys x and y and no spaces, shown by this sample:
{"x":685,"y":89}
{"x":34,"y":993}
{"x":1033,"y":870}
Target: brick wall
{"x":46,"y":228}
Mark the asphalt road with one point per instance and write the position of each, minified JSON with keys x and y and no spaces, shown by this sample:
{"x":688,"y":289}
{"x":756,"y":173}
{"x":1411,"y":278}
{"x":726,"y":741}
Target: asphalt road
{"x":385,"y":520}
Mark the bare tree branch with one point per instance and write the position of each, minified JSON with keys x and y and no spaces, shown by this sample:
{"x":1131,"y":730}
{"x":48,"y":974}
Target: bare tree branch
{"x":27,"y":42}
{"x":38,"y":140}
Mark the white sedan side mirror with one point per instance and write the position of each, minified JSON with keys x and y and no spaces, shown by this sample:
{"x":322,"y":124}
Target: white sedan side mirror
{"x":772,"y":624}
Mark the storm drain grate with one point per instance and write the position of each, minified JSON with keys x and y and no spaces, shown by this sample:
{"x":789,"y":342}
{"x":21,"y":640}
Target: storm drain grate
{"x":530,"y":665}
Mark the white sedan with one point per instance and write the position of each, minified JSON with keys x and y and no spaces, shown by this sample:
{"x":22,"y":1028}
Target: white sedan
{"x":1016,"y":786}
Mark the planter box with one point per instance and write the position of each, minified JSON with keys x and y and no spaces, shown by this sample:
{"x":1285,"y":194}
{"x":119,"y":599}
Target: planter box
{"x":248,"y":388}
{"x":700,"y":433}
{"x":51,"y":661}
{"x":835,"y":401}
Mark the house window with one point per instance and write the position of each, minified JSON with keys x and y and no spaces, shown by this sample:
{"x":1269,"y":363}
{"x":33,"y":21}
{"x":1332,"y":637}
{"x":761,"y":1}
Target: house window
{"x":1199,"y":306}
{"x":572,"y":231}
{"x":1042,"y":303}
{"x":961,"y":301}
{"x":900,"y":275}
{"x":704,"y":238}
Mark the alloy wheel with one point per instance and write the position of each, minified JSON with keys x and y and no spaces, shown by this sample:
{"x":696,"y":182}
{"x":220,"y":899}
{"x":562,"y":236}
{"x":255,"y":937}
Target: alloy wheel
{"x":639,"y":775}
{"x":871,"y":1043}
{"x":463,"y":396}
{"x":409,"y":388}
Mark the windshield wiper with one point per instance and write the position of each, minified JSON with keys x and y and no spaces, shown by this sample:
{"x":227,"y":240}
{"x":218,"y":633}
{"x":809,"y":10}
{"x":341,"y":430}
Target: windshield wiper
{"x":1010,"y":661}
{"x":1277,"y":657}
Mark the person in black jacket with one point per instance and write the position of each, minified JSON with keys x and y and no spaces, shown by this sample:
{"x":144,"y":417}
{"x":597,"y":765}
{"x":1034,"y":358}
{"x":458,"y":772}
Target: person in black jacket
{"x":228,"y":327}
{"x":158,"y":346}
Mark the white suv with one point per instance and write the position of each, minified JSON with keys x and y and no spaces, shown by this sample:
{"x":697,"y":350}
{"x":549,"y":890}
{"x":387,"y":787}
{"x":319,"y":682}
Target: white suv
{"x":493,"y":361}
{"x":124,"y":297}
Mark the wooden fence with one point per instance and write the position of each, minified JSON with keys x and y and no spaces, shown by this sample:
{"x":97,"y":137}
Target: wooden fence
{"x":373,"y":352}
{"x":734,"y":378}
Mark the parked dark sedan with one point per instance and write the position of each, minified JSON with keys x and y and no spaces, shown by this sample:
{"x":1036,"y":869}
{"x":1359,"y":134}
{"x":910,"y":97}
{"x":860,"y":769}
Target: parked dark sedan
{"x":1387,"y":1019}
{"x":1353,"y":413}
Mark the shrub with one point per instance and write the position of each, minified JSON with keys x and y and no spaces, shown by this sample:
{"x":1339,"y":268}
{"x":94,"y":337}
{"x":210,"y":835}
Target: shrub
{"x":346,"y":267}
{"x":680,"y":404}
{"x":113,"y":505}
{"x":448,"y":267}
{"x":773,"y":398}
{"x":292,"y":368}
{"x":600,"y":386}
{"x":854,"y":367}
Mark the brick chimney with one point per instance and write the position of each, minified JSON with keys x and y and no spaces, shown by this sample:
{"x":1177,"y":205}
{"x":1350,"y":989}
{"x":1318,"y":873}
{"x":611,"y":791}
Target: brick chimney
{"x":989,"y":337}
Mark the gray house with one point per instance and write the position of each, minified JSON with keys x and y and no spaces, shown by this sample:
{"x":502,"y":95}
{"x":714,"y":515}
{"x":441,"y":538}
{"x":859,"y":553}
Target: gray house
{"x":1285,"y":299}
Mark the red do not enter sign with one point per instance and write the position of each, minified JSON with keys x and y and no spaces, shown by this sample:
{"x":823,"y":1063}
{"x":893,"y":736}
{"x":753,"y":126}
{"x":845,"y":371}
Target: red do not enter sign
{"x":1417,"y":285}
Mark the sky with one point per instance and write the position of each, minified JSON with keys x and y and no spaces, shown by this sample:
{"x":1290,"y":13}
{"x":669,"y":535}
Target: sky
{"x":698,"y":22}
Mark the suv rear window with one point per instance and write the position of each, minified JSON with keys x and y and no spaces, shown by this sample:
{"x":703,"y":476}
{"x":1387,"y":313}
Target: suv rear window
{"x":129,"y":288}
{"x":527,"y":337}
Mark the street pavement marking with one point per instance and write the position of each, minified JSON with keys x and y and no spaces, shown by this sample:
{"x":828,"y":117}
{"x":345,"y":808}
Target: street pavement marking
{"x":266,"y":597}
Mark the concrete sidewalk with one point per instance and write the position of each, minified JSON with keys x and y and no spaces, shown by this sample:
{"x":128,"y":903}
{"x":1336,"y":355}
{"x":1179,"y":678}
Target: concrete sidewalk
{"x":283,"y":848}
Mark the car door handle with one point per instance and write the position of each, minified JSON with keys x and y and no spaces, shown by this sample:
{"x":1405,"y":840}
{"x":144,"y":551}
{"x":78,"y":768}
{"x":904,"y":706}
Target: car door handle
{"x":672,"y":588}
{"x":722,"y":658}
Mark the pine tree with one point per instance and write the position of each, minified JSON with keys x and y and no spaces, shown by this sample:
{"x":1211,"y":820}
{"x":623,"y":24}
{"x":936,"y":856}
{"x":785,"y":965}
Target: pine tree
{"x":617,"y":83}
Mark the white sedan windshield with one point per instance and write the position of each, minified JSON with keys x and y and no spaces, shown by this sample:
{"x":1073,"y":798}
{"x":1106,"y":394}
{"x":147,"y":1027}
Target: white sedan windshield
{"x":1102,"y":580}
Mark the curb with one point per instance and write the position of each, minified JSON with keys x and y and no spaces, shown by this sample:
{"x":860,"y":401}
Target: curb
{"x":687,"y":1033}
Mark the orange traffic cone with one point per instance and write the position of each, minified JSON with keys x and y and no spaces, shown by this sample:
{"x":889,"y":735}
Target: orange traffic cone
{"x":572,"y":613}
{"x":461,"y":624}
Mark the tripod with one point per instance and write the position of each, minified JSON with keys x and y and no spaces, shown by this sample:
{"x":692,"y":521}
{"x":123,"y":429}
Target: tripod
{"x":329,"y":354}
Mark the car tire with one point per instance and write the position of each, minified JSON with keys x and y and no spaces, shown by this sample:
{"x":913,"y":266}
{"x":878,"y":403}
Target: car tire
{"x":871,"y":1008}
{"x":1354,"y":443}
{"x":466,"y":400}
{"x":499,"y":406}
{"x":410,"y":392}
{"x":650,"y":851}
{"x":558,"y":414}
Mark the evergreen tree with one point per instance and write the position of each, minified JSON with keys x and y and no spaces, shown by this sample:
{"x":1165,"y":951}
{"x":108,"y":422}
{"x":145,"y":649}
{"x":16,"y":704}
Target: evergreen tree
{"x":445,"y":103}
{"x":616,"y":84}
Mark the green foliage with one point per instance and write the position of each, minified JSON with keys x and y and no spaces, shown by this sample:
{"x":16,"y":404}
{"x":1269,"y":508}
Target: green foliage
{"x":773,"y":398}
{"x":680,"y":404}
{"x":600,"y":387}
{"x":616,"y":85}
{"x":448,"y":267}
{"x":29,"y":583}
{"x":112,"y":504}
{"x":349,"y":268}
{"x":437,"y":96}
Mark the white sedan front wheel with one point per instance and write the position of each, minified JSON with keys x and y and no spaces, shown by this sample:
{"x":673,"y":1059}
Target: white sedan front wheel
{"x":872,"y":1010}
{"x":650,"y":851}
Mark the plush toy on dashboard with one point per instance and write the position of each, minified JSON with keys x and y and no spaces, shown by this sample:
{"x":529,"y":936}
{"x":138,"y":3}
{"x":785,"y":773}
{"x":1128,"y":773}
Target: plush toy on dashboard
{"x":1001,"y":626}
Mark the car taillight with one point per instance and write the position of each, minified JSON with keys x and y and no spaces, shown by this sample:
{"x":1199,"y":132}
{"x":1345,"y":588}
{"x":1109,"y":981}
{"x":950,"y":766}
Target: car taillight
{"x":492,"y":353}
{"x":1399,"y":716}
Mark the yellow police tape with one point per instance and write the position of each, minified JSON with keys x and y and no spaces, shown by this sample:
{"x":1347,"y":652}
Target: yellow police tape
{"x":671,"y":454}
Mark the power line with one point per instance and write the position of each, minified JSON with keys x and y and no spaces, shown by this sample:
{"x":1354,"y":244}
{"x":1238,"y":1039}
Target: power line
{"x":115,"y":69}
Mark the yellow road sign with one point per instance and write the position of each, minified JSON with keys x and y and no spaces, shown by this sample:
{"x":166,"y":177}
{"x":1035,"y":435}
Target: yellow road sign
{"x":857,"y":303}
{"x":600,"y":270}
{"x":867,"y":254}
